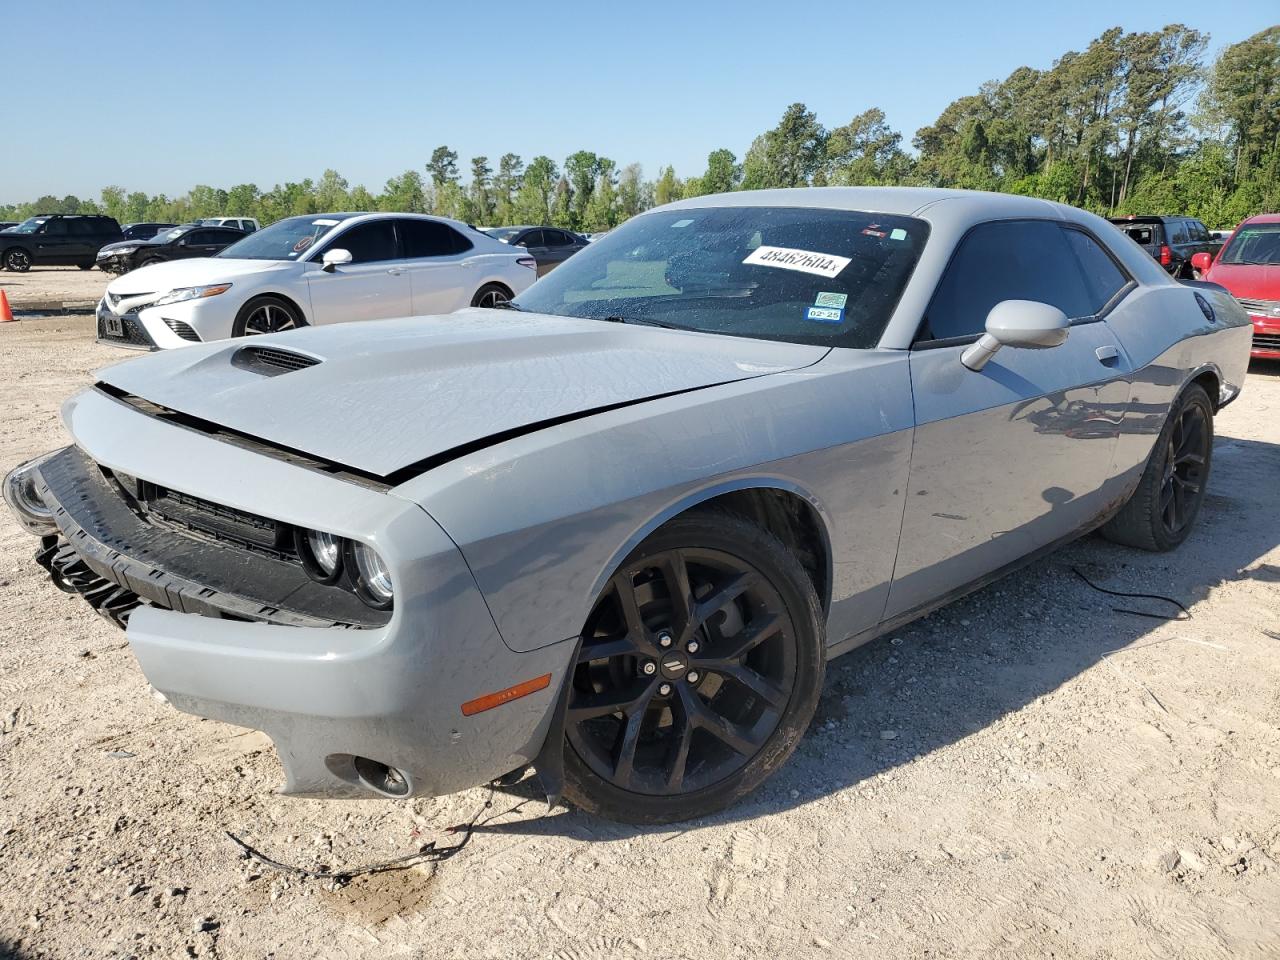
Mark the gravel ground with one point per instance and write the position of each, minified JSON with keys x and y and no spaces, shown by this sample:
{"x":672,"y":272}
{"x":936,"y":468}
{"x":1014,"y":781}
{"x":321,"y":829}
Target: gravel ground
{"x":50,"y":287}
{"x":1027,"y":773}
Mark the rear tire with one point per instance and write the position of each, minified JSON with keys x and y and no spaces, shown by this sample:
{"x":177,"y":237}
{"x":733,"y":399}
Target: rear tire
{"x":679,"y":709}
{"x":1162,"y":511}
{"x":85,"y":266}
{"x":490,"y":295}
{"x":266,"y":314}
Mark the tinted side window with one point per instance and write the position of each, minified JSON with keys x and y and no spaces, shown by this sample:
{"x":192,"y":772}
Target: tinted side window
{"x":1005,"y":260}
{"x":368,"y":242}
{"x":1102,"y":278}
{"x":56,"y":228}
{"x":531,"y":239}
{"x":83,"y":227}
{"x":426,"y":238}
{"x":1178,"y":231}
{"x":554,"y":238}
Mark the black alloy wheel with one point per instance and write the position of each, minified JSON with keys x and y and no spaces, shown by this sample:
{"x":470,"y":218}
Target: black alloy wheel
{"x":1186,"y":460}
{"x":1163,"y":509}
{"x":700,"y":667}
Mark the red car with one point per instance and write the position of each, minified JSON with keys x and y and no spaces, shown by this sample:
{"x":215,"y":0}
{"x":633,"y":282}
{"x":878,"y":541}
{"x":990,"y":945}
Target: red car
{"x":1249,"y":266}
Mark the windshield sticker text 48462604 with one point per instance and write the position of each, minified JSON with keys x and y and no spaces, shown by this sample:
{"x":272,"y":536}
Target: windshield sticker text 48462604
{"x":806,"y":261}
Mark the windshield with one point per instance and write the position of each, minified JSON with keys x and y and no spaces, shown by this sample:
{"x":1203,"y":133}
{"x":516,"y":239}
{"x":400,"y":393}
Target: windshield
{"x":502,"y":233}
{"x":164,"y":236}
{"x":827,"y":277}
{"x":288,"y":239}
{"x":1254,"y":243}
{"x":30,"y":225}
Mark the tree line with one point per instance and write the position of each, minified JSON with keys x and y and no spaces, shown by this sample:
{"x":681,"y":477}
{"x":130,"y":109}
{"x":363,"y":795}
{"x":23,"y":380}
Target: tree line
{"x":1135,"y":123}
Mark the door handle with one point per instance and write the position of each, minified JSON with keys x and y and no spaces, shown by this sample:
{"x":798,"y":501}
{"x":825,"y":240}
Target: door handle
{"x":1107,"y":354}
{"x":394,"y":271}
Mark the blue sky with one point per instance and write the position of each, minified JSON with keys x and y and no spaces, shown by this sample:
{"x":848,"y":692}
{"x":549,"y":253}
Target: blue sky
{"x":160,"y":96}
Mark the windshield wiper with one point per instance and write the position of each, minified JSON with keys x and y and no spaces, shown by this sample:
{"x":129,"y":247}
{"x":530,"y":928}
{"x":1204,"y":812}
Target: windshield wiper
{"x":642,"y":321}
{"x":508,"y":305}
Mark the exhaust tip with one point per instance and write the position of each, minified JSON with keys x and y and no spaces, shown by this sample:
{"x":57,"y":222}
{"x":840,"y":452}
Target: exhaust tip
{"x":381,"y":778}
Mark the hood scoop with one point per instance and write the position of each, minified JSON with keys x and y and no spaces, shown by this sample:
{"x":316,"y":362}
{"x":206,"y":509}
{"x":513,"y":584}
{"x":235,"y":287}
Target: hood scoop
{"x":270,"y":361}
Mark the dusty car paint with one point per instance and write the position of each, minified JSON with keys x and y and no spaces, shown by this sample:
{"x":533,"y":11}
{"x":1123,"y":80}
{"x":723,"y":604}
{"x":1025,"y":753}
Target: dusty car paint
{"x":924,"y":479}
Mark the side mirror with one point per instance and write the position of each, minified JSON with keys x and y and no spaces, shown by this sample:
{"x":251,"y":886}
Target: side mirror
{"x":1202,"y":261}
{"x":1018,"y":323}
{"x":334,"y":258}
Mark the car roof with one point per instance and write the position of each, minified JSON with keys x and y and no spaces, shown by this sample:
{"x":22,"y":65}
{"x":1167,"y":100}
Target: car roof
{"x":1263,"y":218}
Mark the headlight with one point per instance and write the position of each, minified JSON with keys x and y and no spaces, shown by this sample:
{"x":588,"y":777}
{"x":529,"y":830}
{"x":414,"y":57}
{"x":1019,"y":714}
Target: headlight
{"x":369,"y":575}
{"x":192,"y":293}
{"x":120,"y":251}
{"x":20,"y":494}
{"x":321,"y":554}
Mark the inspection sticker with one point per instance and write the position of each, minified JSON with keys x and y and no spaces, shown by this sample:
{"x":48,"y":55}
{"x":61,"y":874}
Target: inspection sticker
{"x":681,"y":223}
{"x":824,"y":315}
{"x":897,"y":233}
{"x":831,"y":300}
{"x":806,"y":261}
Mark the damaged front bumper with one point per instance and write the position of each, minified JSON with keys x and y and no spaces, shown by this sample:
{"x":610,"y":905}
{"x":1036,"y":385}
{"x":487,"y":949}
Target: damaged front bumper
{"x":224,"y":633}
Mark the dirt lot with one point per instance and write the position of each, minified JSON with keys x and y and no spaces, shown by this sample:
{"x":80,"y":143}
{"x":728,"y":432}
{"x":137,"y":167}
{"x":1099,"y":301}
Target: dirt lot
{"x":46,"y":288}
{"x":1027,"y":773}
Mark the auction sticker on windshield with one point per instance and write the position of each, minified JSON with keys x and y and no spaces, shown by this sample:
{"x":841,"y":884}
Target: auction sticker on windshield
{"x":806,"y":261}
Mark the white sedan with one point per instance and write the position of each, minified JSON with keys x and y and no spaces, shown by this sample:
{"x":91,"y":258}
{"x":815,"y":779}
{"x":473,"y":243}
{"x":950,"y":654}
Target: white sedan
{"x":314,"y":270}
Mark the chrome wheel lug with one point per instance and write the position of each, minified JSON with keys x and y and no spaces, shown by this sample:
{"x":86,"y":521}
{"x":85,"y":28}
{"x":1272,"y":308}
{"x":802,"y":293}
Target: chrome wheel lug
{"x":649,"y":668}
{"x":665,"y":639}
{"x":692,"y":646}
{"x":693,"y":676}
{"x":665,"y":689}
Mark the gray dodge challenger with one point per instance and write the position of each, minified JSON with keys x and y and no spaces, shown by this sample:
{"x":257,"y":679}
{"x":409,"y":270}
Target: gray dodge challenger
{"x":615,"y":532}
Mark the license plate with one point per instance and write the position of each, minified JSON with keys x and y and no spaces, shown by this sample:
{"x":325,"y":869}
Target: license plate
{"x":114,"y":326}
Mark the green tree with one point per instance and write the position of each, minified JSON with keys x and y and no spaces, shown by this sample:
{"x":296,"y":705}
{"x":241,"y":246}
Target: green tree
{"x":533,"y":202}
{"x":723,"y":172}
{"x":668,"y":187}
{"x":443,"y":166}
{"x":404,"y":194}
{"x":481,"y":191}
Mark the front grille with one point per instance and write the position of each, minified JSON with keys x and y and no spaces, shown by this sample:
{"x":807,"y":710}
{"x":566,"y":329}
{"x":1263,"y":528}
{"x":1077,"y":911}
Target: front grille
{"x":1262,"y":308}
{"x":115,"y":298}
{"x":183,"y":330}
{"x":1266,"y":341}
{"x":270,"y":362}
{"x":133,"y":332}
{"x":213,"y":519}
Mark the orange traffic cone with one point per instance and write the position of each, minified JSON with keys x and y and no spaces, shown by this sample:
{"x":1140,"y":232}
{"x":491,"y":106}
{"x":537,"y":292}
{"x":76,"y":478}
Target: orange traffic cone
{"x":6,"y":314}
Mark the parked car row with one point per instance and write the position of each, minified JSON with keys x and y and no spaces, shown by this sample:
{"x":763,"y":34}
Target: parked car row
{"x":62,"y":240}
{"x":617,"y":531}
{"x":174,"y":243}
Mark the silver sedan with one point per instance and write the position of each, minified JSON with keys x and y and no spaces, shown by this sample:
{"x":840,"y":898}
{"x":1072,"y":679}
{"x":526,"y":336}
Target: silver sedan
{"x":616,"y":531}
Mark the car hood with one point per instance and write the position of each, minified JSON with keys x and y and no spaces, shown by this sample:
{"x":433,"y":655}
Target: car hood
{"x":1253,"y":281}
{"x":190,"y":273}
{"x":121,"y":244}
{"x":388,"y":394}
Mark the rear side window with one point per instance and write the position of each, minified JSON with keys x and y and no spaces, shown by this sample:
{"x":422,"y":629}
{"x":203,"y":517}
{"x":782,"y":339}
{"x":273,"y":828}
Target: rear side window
{"x":428,"y":238}
{"x":369,"y":242}
{"x":1102,"y":278}
{"x":1178,"y":232}
{"x":531,"y":239}
{"x":1006,"y":260}
{"x":83,"y":227}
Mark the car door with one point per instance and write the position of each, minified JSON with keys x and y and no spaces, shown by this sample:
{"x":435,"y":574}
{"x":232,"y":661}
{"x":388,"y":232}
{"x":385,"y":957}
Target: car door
{"x":202,"y":243}
{"x":440,"y":281}
{"x":1011,"y":458}
{"x":373,"y":286}
{"x":560,"y":247}
{"x":53,"y":242}
{"x":535,"y":243}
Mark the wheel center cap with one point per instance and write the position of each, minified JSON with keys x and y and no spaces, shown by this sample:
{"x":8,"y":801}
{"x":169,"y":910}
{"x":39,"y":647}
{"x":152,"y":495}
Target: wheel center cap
{"x":673,"y":665}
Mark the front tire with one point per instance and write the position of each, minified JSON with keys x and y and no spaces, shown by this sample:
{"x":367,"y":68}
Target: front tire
{"x":266,"y":314}
{"x":701,"y":666}
{"x":85,"y":266}
{"x":1162,"y":511}
{"x":491,"y":295}
{"x":17,"y":260}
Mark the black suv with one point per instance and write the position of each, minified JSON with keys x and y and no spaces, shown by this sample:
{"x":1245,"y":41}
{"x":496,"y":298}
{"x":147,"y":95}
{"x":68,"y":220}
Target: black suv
{"x":56,"y":240}
{"x":1171,"y":240}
